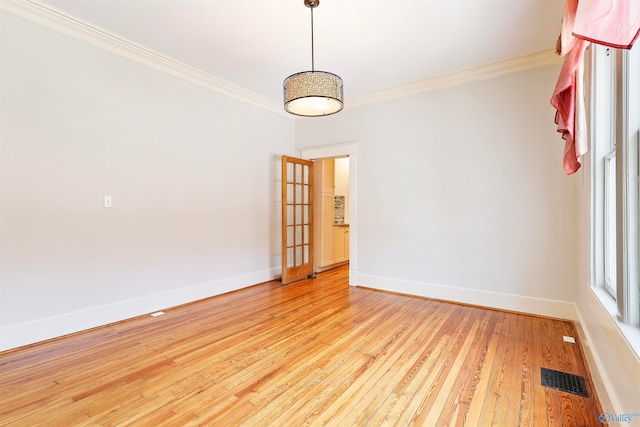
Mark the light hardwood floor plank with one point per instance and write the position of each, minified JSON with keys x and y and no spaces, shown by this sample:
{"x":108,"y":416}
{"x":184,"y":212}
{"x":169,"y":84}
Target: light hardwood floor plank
{"x":315,"y":352}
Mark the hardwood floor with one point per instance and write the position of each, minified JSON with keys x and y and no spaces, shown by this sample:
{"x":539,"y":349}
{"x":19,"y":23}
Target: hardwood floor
{"x":316,"y":352}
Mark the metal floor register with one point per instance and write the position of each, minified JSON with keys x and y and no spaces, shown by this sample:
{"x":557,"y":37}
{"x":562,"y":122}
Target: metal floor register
{"x":564,"y":382}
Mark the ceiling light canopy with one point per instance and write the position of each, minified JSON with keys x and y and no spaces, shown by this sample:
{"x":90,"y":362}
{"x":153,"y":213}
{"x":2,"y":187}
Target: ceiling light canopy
{"x":313,"y":93}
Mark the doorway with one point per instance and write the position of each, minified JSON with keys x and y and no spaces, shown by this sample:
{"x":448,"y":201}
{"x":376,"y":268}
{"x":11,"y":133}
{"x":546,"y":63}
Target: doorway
{"x":331,"y":213}
{"x":348,"y":151}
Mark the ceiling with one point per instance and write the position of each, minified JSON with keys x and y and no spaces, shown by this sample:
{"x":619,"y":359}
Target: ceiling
{"x":373,"y":45}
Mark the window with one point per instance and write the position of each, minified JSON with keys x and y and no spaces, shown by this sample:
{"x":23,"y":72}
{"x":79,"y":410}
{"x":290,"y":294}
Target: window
{"x":604,"y":149}
{"x":615,"y":136}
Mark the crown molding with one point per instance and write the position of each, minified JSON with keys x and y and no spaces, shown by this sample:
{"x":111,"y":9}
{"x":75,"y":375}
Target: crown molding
{"x":48,"y":17}
{"x":51,"y":18}
{"x":471,"y":75}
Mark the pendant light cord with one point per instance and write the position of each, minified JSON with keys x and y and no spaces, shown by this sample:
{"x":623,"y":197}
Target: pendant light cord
{"x":312,"y":61}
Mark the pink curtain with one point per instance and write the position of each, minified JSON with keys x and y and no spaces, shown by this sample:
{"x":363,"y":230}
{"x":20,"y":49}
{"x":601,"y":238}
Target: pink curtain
{"x":566,"y":39}
{"x":614,"y":23}
{"x":568,"y":96}
{"x":569,"y":103}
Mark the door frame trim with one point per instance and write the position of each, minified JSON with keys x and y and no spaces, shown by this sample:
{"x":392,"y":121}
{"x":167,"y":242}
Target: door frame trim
{"x":349,"y":149}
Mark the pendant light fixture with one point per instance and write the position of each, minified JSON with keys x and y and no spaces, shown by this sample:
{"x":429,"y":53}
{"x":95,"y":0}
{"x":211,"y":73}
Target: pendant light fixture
{"x":313,"y":93}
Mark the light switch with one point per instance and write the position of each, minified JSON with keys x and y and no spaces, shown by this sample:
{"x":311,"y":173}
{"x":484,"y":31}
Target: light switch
{"x":107,"y":201}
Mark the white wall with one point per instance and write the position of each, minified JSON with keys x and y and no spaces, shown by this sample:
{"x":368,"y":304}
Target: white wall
{"x":195,"y":188}
{"x":461,"y":194}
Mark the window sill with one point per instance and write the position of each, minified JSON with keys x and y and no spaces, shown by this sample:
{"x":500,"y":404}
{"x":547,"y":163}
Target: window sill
{"x":630,"y":332}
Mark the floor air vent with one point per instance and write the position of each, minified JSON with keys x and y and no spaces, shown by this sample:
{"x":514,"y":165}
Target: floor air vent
{"x":564,"y":382}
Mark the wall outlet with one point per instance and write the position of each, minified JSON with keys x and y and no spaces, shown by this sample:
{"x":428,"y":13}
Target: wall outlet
{"x":107,"y":202}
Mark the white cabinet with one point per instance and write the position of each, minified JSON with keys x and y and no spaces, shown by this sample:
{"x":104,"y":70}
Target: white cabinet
{"x":326,"y":231}
{"x":340,"y":243}
{"x":327,"y":176}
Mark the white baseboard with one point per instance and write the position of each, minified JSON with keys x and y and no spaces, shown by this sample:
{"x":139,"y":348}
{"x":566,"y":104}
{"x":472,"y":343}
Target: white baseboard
{"x":599,"y":375}
{"x":519,"y":303}
{"x":17,"y":335}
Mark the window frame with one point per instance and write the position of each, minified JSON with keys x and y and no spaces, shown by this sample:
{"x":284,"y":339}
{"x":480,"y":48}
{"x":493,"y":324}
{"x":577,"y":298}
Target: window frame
{"x":628,"y":236}
{"x":614,"y":94}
